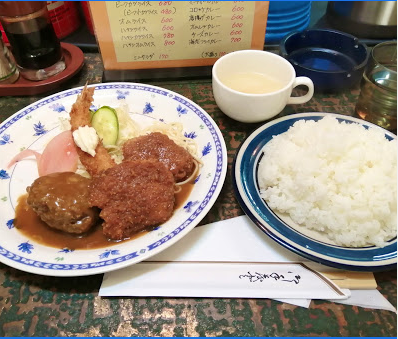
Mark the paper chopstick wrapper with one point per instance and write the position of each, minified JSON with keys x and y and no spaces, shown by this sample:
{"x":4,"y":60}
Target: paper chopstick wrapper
{"x":239,"y":240}
{"x":216,"y":279}
{"x":231,"y":258}
{"x":368,"y":299}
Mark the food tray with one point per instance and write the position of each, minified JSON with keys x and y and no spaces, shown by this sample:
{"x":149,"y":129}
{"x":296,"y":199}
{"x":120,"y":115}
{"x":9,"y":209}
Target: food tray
{"x":74,"y":59}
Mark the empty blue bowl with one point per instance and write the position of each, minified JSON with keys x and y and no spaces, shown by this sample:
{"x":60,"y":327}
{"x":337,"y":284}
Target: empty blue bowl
{"x":333,"y":60}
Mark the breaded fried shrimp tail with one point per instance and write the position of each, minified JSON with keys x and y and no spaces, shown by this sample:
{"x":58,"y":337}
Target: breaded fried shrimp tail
{"x":97,"y":164}
{"x":80,"y":117}
{"x":80,"y":112}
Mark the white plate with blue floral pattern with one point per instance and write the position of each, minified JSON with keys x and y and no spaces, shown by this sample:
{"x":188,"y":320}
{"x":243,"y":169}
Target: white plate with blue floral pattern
{"x":33,"y":127}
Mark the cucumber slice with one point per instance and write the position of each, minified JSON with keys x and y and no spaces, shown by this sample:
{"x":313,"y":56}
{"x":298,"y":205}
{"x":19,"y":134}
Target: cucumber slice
{"x":106,"y":124}
{"x":91,"y":113}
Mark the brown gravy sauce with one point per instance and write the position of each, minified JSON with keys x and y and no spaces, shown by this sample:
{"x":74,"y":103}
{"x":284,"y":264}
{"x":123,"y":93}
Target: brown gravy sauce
{"x":31,"y":226}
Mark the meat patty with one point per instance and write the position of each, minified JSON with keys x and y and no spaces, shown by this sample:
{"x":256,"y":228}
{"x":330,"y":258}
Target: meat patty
{"x":158,"y":146}
{"x":61,"y":201}
{"x":133,"y":196}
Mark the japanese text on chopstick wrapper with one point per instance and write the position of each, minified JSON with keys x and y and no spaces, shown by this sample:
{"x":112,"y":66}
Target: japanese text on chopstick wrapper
{"x":260,"y":277}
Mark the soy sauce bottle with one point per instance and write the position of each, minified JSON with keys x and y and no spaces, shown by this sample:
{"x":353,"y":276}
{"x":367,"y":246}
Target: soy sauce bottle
{"x":34,"y":44}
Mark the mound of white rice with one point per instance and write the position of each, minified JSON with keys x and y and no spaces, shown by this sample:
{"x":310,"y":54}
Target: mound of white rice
{"x":336,"y":178}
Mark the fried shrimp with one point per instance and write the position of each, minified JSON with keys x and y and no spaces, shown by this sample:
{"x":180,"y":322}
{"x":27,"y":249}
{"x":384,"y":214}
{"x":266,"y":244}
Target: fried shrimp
{"x":80,"y":117}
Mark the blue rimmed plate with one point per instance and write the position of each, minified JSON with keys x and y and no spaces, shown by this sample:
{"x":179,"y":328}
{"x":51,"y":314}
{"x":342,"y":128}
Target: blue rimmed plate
{"x":246,"y":189}
{"x":33,"y":127}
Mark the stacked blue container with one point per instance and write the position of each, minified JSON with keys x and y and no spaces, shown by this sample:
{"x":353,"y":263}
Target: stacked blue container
{"x":285,"y":17}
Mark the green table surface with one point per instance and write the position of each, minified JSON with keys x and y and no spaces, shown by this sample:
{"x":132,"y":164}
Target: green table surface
{"x":33,"y":305}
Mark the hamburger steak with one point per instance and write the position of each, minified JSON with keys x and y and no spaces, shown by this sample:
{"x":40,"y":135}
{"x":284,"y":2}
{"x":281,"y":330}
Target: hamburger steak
{"x":61,"y":201}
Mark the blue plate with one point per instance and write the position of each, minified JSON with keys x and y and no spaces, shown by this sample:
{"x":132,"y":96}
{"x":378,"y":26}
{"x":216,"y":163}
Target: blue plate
{"x":246,"y":189}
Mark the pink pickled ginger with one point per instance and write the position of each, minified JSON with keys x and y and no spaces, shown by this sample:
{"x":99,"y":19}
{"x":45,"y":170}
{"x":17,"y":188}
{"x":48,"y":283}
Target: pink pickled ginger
{"x":59,"y":155}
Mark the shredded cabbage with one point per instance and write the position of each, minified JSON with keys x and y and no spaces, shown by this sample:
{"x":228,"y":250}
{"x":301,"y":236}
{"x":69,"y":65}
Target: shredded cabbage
{"x":129,"y":129}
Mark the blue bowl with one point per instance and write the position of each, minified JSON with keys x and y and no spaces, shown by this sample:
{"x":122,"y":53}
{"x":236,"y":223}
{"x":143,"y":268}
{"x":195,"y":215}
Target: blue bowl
{"x":333,"y":60}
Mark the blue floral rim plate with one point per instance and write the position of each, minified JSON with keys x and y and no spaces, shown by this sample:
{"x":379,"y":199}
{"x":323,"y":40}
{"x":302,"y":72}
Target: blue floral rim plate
{"x":246,"y":189}
{"x":36,"y":124}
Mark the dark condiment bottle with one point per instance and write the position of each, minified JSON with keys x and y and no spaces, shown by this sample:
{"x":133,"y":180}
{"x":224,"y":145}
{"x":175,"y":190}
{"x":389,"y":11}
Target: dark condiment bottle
{"x":34,"y":44}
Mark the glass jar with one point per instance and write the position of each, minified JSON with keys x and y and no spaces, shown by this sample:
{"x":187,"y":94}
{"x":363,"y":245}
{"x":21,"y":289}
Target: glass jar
{"x":34,"y":44}
{"x":377,"y":101}
{"x":8,"y":70}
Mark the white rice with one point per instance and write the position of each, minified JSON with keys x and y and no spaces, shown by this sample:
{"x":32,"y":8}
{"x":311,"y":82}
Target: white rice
{"x":339,"y":179}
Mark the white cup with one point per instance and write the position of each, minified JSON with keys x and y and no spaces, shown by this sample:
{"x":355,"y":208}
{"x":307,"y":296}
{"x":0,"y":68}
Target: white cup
{"x":246,"y":107}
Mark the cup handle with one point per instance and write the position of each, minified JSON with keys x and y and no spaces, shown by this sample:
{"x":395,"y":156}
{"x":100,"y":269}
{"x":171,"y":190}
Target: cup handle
{"x":304,"y":98}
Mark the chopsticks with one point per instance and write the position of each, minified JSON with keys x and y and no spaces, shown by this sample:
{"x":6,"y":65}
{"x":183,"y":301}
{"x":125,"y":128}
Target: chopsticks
{"x":352,"y":280}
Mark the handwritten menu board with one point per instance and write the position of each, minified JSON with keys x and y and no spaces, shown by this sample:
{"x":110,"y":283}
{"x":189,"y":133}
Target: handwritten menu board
{"x":161,"y":34}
